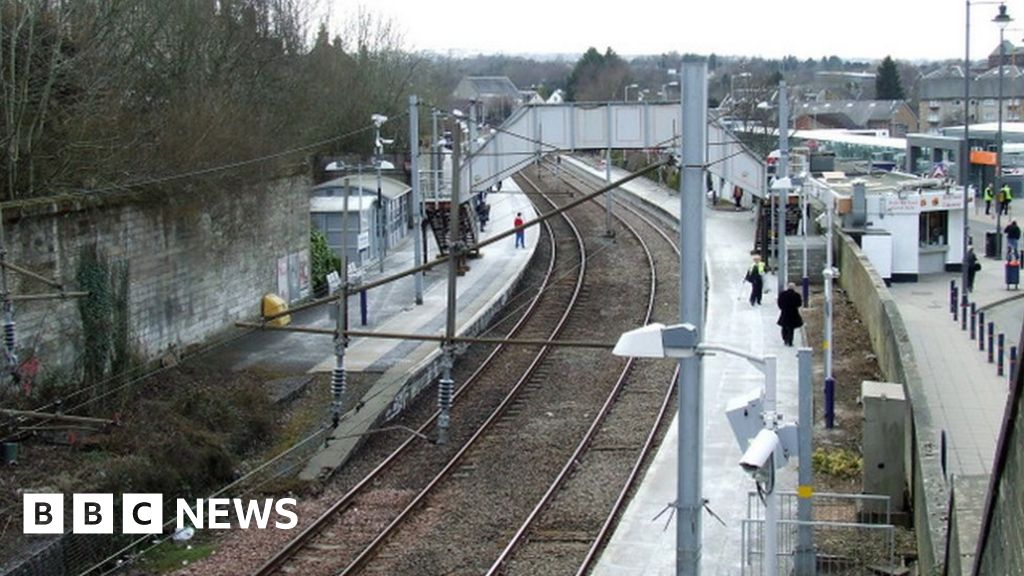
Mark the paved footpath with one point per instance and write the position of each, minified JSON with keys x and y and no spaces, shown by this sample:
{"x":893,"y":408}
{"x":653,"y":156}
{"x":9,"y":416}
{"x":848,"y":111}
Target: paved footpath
{"x":964,"y":393}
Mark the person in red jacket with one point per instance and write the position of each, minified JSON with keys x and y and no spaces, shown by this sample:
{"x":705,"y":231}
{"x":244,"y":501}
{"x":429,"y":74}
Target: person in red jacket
{"x":520,"y":233}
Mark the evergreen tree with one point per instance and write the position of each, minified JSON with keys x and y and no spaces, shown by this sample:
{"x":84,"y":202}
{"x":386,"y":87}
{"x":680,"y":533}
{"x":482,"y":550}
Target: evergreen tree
{"x":887,"y":81}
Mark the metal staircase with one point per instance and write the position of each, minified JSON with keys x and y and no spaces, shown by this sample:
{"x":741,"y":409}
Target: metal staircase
{"x":438,"y":214}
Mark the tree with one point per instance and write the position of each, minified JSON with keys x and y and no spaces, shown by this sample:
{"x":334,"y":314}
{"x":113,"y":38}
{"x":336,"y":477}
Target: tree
{"x":598,"y":77}
{"x":887,"y":81}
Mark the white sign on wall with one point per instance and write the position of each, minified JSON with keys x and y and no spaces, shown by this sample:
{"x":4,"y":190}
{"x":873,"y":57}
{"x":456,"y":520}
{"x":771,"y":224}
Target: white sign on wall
{"x":282,"y":278}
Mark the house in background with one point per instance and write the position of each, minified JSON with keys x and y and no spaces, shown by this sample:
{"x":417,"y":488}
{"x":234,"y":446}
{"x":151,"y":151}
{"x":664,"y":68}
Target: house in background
{"x":941,"y":93}
{"x":838,"y":85}
{"x":494,"y":97}
{"x":530,"y":97}
{"x":893,"y":117}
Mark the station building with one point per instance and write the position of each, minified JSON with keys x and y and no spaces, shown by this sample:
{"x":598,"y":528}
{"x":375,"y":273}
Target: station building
{"x":367,"y":241}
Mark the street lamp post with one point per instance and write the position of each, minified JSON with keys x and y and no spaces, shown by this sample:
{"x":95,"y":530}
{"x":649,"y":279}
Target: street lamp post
{"x":829,"y":274}
{"x":782,"y":173}
{"x":417,"y":201}
{"x":625,"y":91}
{"x":965,"y":160}
{"x":378,"y":148}
{"x":682,"y":341}
{"x":1001,"y":20}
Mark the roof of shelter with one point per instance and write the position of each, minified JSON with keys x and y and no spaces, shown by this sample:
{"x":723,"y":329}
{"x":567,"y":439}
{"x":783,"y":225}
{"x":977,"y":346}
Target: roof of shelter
{"x":389,"y":187}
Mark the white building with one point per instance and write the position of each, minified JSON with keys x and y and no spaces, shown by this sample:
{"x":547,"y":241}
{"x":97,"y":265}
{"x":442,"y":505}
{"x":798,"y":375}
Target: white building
{"x":906,"y":226}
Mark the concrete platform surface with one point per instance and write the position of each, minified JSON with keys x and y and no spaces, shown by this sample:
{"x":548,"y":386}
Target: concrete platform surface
{"x":402,"y":367}
{"x":966,"y":396}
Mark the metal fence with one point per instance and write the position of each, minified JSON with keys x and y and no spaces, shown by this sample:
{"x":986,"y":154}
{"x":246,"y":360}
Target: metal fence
{"x":852,"y":535}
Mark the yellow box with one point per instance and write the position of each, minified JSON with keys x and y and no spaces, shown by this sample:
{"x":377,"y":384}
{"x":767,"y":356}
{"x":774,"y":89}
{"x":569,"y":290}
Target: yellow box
{"x":273,"y":305}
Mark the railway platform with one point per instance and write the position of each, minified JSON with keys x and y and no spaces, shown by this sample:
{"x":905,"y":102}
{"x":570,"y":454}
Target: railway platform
{"x":965,"y":394}
{"x":396,"y":365}
{"x":404,"y":367}
{"x":645,"y":539}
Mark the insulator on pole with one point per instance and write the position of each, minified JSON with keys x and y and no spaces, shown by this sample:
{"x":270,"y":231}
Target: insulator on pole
{"x":337,"y":393}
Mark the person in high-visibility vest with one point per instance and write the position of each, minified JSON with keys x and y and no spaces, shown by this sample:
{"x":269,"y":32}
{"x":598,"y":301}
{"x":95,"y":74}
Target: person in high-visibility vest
{"x":1005,"y":196}
{"x":987,"y":197}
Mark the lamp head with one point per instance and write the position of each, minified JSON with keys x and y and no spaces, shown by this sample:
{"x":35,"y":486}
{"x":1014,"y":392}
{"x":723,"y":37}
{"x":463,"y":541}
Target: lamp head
{"x":1002,"y":19}
{"x":378,"y":119}
{"x":658,"y":341}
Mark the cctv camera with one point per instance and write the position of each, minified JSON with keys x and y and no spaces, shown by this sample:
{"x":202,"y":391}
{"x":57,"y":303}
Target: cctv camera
{"x":759,"y":453}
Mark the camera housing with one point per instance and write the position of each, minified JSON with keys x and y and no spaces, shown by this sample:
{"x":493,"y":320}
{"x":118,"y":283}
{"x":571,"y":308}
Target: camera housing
{"x":757,"y":458}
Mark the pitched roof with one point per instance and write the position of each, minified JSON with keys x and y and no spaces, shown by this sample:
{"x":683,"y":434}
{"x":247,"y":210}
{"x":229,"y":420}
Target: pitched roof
{"x":484,"y":87}
{"x":858,"y":112}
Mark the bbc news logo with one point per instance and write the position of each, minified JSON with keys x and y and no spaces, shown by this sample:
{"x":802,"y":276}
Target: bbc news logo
{"x":143,"y":513}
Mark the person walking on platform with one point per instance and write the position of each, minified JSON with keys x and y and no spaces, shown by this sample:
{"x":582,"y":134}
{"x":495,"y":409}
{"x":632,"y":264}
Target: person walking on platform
{"x":972,"y":267}
{"x":755,"y":275}
{"x":987,"y":197}
{"x":789,"y":313}
{"x":1012,"y":232}
{"x":737,"y":196}
{"x":520,"y":233}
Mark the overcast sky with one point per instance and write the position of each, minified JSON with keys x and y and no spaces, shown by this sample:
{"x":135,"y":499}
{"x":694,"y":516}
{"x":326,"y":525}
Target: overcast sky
{"x":904,"y":29}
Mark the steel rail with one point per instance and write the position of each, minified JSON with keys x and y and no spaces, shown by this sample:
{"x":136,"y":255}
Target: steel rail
{"x":272,"y":565}
{"x":370,"y":551}
{"x":572,"y":462}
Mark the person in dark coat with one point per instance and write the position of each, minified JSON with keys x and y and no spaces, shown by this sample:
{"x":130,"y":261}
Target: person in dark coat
{"x":789,"y":315}
{"x":755,"y":275}
{"x":972,"y":267}
{"x":1012,"y":232}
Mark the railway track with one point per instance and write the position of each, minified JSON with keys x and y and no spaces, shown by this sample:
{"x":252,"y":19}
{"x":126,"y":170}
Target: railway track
{"x":390,"y":487}
{"x":567,"y":531}
{"x":536,"y":415}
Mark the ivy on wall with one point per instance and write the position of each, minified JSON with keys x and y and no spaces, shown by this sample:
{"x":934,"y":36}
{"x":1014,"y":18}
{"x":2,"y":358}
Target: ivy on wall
{"x":324,"y":261}
{"x":106,"y":348}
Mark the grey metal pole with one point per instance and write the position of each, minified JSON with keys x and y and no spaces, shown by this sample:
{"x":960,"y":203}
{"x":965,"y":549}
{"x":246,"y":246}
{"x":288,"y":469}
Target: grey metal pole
{"x":610,"y":196}
{"x":436,"y":151}
{"x":471,"y":148}
{"x":771,"y":505}
{"x":782,"y":172}
{"x":690,"y":499}
{"x":381,"y":216}
{"x":829,"y":274}
{"x":805,"y":565}
{"x":965,"y":161}
{"x":417,"y":203}
{"x":999,"y":158}
{"x":338,"y":380}
{"x":805,"y":281}
{"x":446,"y":387}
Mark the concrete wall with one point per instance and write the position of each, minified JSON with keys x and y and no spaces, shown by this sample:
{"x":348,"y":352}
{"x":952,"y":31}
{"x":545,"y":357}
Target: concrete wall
{"x":197,"y":262}
{"x":892,"y":346}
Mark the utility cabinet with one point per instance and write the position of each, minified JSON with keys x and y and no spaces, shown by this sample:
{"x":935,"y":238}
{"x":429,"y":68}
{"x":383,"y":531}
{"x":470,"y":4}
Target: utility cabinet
{"x":884,"y":407}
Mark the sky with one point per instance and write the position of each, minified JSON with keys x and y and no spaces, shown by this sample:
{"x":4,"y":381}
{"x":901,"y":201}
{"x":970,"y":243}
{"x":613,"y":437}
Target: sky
{"x":850,"y":29}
